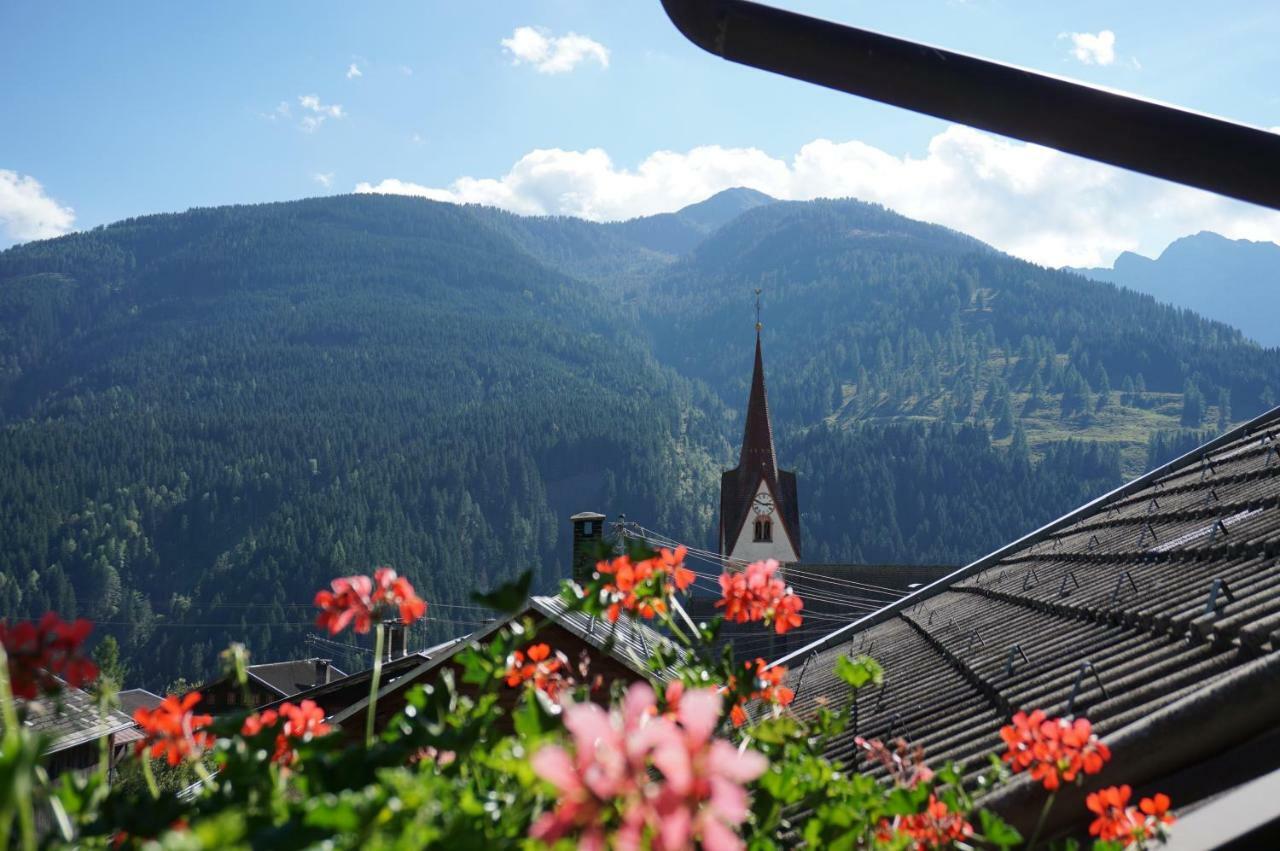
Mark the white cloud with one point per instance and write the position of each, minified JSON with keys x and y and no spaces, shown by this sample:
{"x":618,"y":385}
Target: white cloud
{"x":318,"y":112}
{"x":282,"y":111}
{"x":552,"y":54}
{"x":1093,"y":48}
{"x":1030,"y":201}
{"x":26,"y":212}
{"x":325,"y":178}
{"x":406,"y":70}
{"x":353,"y":71}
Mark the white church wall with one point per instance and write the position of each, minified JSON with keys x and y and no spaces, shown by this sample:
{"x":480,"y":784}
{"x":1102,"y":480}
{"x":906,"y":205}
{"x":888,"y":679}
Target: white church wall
{"x":746,"y":547}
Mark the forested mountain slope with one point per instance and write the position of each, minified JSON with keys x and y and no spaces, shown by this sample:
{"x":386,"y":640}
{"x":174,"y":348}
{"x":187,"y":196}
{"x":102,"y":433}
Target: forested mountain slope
{"x":205,"y":416}
{"x":209,"y":415}
{"x":872,"y":317}
{"x":1235,"y":281}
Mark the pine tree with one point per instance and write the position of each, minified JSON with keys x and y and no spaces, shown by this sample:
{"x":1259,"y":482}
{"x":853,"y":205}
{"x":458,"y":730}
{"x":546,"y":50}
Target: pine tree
{"x":1104,"y":388}
{"x":107,"y":657}
{"x":1192,"y":405}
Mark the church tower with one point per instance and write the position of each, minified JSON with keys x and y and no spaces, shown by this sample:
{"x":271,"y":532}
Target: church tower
{"x":759,"y":512}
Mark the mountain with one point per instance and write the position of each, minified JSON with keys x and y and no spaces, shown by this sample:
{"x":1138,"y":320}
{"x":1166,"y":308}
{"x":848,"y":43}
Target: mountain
{"x":1235,"y":281}
{"x":205,"y":416}
{"x":678,"y":232}
{"x":875,"y":318}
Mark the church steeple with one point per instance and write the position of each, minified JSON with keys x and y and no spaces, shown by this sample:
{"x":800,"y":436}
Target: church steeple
{"x":757,"y":436}
{"x":759,"y":512}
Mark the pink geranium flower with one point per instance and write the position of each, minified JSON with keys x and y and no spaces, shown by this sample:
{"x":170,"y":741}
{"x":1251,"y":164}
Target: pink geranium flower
{"x":606,"y":785}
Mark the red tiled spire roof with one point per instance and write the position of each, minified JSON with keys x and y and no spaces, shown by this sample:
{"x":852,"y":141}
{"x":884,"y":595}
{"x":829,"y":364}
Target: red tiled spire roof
{"x":757,"y":461}
{"x":757,"y":436}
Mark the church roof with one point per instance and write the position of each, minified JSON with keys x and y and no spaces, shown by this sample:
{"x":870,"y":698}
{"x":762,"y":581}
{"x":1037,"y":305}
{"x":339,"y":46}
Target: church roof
{"x":757,"y":461}
{"x":757,"y":435}
{"x":1154,"y":611}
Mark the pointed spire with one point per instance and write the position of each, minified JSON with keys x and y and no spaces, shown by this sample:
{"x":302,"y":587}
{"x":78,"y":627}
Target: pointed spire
{"x":757,"y":437}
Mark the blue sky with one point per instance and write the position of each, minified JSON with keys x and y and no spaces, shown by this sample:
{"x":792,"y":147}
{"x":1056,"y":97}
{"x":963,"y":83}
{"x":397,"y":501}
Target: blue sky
{"x":107,"y":113}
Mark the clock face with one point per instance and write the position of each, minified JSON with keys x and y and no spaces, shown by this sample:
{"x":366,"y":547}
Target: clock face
{"x":763,"y":504}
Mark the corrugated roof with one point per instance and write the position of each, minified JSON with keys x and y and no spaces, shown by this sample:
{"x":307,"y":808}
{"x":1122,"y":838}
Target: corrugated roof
{"x":1161,"y":594}
{"x":630,"y":641}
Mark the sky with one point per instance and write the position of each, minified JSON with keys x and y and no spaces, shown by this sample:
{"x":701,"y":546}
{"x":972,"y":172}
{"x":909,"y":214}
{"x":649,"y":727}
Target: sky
{"x":599,"y":110}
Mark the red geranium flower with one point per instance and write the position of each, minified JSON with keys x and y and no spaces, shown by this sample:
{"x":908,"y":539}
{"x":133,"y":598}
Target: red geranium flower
{"x":361,"y":601}
{"x":1053,"y":749}
{"x":41,"y":652}
{"x":349,"y":601}
{"x":1157,"y":808}
{"x":173,"y":729}
{"x":756,"y":594}
{"x":1114,"y":818}
{"x":936,"y":827}
{"x":538,"y":666}
{"x":301,"y":722}
{"x":396,"y":591}
{"x":643,"y":587}
{"x":766,"y":685}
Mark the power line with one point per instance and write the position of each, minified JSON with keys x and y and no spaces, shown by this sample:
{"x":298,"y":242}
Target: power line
{"x":790,"y":571}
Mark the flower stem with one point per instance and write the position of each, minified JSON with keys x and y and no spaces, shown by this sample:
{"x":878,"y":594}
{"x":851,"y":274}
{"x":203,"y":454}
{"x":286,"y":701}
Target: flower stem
{"x":13,"y":741}
{"x":150,"y":776}
{"x":373,"y":685}
{"x":105,"y":688}
{"x":203,"y":772}
{"x":1044,"y":816}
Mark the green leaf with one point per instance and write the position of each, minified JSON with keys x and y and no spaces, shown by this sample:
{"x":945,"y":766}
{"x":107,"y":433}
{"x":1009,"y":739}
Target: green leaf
{"x":860,"y":671}
{"x":997,"y":831}
{"x":509,"y":597}
{"x":531,"y":721}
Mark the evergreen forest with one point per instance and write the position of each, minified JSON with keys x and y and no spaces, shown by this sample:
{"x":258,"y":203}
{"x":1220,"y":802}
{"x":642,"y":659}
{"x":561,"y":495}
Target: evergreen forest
{"x":205,"y":416}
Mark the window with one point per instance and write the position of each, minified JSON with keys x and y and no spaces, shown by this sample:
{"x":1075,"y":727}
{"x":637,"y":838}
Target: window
{"x":764,"y":530}
{"x":587,"y":528}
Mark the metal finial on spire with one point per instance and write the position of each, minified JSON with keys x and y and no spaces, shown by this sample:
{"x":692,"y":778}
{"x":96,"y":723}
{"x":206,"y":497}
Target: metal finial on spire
{"x":759,"y":325}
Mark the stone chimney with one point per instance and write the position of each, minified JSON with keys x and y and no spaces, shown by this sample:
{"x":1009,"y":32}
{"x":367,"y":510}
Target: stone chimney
{"x":588,"y":534}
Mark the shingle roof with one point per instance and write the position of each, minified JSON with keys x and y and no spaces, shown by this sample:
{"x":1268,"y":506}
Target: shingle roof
{"x":1138,"y":611}
{"x":133,"y":699}
{"x":72,"y":719}
{"x":294,"y":676}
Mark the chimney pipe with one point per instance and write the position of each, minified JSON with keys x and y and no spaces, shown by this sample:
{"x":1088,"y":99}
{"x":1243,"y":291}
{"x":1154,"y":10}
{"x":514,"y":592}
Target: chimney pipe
{"x":397,"y":640}
{"x":588,"y":533}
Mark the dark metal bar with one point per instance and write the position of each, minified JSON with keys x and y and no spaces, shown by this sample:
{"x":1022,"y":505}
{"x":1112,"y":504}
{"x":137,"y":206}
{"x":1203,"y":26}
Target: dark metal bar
{"x":1085,"y":667}
{"x":1123,"y":130}
{"x":1120,"y":583}
{"x":1015,"y":650}
{"x":1218,"y":587}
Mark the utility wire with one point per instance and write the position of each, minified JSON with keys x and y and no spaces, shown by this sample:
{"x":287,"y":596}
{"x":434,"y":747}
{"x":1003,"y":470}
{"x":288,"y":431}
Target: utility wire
{"x":643,"y":533}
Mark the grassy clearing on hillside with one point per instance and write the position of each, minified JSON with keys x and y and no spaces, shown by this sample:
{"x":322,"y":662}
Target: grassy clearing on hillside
{"x":1128,"y":426}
